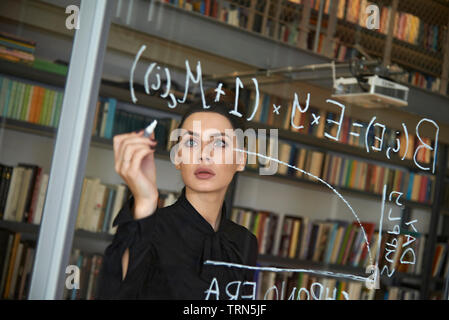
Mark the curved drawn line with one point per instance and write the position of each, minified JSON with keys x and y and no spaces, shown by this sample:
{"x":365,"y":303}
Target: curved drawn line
{"x":133,"y":68}
{"x":326,"y":184}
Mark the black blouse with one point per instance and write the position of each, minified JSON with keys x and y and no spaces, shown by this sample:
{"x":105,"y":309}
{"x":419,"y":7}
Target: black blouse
{"x":166,"y":254}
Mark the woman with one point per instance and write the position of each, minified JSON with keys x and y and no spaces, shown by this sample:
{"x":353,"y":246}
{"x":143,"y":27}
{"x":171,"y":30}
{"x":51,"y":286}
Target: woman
{"x":159,"y":253}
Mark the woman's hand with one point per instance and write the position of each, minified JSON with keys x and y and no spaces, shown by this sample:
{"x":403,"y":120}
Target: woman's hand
{"x":134,"y":162}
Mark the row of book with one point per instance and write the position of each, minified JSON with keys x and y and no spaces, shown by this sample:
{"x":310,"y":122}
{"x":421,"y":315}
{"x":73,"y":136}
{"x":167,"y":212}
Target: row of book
{"x":104,"y":118}
{"x":16,"y":49}
{"x":16,"y":262}
{"x":230,"y":13}
{"x":419,"y":79}
{"x":334,"y":242}
{"x":110,"y":121}
{"x":32,"y":103}
{"x":205,"y":7}
{"x":339,"y":243}
{"x":42,"y":105}
{"x":411,"y":29}
{"x":20,"y":50}
{"x":17,"y":258}
{"x":23,"y":189}
{"x":22,"y":192}
{"x":346,"y":172}
{"x":101,"y":202}
{"x":308,"y":125}
{"x":407,"y":27}
{"x":368,"y":177}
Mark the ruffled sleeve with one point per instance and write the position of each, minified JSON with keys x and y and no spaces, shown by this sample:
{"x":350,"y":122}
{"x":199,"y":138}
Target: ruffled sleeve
{"x":137,"y":235}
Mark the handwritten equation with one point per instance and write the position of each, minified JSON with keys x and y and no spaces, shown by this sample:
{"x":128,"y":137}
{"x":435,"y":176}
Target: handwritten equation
{"x":356,"y":127}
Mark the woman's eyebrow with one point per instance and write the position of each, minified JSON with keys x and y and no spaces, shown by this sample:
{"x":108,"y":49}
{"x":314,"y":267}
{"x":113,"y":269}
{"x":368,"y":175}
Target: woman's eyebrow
{"x":212,"y":135}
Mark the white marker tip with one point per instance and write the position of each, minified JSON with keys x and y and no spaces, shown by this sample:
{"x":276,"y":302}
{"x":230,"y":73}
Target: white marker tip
{"x":149,"y":130}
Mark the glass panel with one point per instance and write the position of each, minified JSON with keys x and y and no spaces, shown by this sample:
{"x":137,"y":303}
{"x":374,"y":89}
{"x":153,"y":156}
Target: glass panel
{"x":343,"y":194}
{"x":339,"y":175}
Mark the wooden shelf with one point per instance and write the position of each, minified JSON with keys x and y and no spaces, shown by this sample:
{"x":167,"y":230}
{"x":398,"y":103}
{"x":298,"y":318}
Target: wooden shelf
{"x":82,"y":238}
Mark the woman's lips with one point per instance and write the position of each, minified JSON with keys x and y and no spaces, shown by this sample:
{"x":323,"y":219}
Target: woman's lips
{"x":204,"y":173}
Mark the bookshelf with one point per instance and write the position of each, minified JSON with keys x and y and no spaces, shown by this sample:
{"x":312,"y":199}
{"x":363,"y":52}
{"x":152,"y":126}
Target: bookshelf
{"x":110,"y":90}
{"x":293,"y":22}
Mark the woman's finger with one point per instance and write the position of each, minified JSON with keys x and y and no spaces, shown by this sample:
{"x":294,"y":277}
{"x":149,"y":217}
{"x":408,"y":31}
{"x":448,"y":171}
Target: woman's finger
{"x":129,"y":151}
{"x":126,"y":155}
{"x":131,"y":141}
{"x":117,"y":142}
{"x":136,"y":161}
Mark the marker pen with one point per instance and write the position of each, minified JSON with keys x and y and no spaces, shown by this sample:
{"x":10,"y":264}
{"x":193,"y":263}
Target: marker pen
{"x":149,"y":130}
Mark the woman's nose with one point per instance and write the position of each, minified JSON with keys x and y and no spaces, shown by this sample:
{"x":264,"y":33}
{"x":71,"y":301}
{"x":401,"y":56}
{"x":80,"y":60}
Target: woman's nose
{"x":206,"y":150}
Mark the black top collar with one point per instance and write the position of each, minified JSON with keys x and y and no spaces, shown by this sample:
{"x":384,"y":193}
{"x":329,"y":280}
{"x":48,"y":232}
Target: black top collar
{"x":202,"y":222}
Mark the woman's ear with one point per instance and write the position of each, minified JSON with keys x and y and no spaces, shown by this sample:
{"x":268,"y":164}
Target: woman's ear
{"x":175,"y":155}
{"x":241,"y":160}
{"x":177,"y":161}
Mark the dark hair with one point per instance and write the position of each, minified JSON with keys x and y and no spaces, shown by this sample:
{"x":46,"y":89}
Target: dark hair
{"x":223,"y":107}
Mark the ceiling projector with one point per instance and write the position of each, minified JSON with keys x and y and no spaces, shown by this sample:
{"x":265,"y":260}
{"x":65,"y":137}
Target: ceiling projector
{"x":370,"y":92}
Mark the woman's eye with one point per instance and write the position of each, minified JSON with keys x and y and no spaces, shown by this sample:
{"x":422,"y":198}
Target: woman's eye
{"x":221,"y":143}
{"x":190,"y":143}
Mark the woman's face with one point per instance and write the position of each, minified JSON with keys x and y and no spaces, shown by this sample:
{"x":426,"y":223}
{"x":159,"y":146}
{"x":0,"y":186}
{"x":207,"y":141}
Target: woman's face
{"x":207,"y":142}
